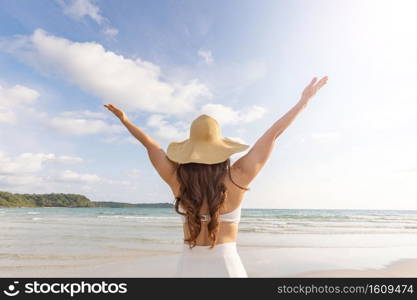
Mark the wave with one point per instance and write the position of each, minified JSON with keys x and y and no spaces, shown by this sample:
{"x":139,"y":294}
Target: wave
{"x":267,"y":221}
{"x":138,"y":217}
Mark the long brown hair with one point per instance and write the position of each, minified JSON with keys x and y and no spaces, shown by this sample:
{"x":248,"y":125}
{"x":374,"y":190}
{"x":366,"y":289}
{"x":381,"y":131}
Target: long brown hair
{"x":198,"y":182}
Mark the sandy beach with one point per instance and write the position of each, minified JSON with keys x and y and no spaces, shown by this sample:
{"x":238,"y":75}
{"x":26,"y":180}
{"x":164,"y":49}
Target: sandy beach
{"x":400,"y":268}
{"x":160,"y":264}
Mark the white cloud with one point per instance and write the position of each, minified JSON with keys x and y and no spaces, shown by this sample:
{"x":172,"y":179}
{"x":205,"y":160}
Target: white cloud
{"x":253,"y":113}
{"x":17,"y":95}
{"x":110,"y":32}
{"x":81,"y":8}
{"x":71,"y":176}
{"x":31,"y":162}
{"x":223,"y":114}
{"x":7,"y":116}
{"x":80,"y":127}
{"x":68,"y":159}
{"x":84,"y":114}
{"x":227,"y":115}
{"x":13,"y":99}
{"x":165,"y":130}
{"x":206,"y":55}
{"x":28,"y":171}
{"x":81,"y":123}
{"x":131,"y":84}
{"x":116,"y":182}
{"x":19,"y":180}
{"x":24,"y":163}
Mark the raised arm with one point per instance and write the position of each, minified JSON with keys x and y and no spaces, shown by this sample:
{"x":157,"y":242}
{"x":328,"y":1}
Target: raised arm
{"x":164,"y":167}
{"x":248,"y":166}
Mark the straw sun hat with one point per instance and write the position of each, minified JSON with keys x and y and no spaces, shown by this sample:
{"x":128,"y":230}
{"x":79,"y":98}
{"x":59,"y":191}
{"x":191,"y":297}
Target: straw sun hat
{"x":204,"y":145}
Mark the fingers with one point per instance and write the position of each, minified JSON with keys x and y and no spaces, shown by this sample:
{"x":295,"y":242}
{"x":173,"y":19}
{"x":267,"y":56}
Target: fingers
{"x":314,"y":86}
{"x":319,"y":84}
{"x":322,"y":82}
{"x":110,"y":106}
{"x":313,"y":81}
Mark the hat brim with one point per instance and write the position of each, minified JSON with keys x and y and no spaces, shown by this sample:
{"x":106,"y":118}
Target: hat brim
{"x":204,"y":152}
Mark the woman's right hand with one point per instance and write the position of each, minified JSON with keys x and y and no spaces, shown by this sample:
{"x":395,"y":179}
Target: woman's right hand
{"x":116,"y":111}
{"x":311,"y":89}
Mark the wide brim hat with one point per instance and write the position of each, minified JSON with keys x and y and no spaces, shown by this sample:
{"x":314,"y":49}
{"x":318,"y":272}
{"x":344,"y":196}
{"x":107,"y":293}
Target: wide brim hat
{"x":205,"y":144}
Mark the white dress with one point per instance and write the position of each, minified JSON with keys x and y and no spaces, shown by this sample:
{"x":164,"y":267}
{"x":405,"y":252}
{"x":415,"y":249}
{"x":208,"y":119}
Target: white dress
{"x":222,"y":260}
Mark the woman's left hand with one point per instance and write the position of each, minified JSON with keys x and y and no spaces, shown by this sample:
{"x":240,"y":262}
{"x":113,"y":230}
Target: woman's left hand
{"x":116,"y":111}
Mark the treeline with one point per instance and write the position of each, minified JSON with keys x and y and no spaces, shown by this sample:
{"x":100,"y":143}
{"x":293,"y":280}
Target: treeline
{"x":121,"y":204}
{"x":44,"y":200}
{"x":63,"y":200}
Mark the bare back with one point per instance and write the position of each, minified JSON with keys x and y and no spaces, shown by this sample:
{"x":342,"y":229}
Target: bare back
{"x":227,"y":230}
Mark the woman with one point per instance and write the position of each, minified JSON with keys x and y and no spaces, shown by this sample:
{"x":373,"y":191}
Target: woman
{"x":208,"y":190}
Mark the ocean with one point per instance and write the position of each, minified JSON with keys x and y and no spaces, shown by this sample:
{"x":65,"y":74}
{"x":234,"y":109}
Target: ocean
{"x":33,"y":238}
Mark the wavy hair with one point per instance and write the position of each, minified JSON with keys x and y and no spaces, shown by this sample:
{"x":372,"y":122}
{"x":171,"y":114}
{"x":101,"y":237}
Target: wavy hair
{"x":198,"y":182}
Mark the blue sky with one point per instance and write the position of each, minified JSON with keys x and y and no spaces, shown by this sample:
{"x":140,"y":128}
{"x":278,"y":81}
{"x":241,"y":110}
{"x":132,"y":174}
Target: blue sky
{"x":243,"y":62}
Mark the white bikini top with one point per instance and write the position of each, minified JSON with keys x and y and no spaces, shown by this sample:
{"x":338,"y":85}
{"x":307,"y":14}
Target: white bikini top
{"x":232,"y":217}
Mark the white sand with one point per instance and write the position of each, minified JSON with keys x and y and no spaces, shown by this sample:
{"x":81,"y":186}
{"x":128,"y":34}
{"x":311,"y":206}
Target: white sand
{"x":400,"y":268}
{"x":259,"y":262}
